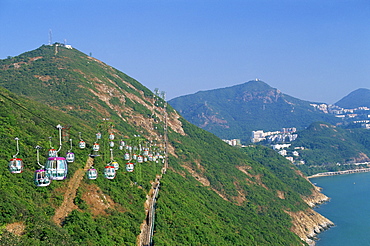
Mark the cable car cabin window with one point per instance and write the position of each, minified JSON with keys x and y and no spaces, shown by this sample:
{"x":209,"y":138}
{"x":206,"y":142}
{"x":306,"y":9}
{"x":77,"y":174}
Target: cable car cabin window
{"x":16,"y":165}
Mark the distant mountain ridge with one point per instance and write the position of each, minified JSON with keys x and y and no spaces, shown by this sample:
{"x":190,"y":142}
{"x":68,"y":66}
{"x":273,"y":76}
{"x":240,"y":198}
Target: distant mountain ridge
{"x":234,"y":112}
{"x":355,"y":99}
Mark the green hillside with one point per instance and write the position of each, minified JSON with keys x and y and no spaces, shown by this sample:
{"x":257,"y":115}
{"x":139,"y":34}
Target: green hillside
{"x":326,"y":145}
{"x":355,"y":99}
{"x":211,"y":194}
{"x":236,"y":111}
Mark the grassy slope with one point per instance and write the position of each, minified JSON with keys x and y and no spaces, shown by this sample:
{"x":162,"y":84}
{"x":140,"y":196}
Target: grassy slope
{"x":188,"y":212}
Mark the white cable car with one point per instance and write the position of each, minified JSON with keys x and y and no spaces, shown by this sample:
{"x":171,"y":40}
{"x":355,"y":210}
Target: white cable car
{"x":16,"y":164}
{"x":92,"y":173}
{"x":70,"y":156}
{"x":146,"y":152}
{"x":122,"y":143}
{"x":52,"y":152}
{"x":134,"y":156}
{"x":111,"y":144}
{"x":140,"y":159}
{"x":96,"y":147}
{"x":56,"y":168}
{"x":98,"y":135}
{"x":82,"y":144}
{"x":115,"y":164}
{"x":130,"y":167}
{"x":127,"y":156}
{"x":109,"y":172}
{"x":111,"y":136}
{"x":41,"y":179}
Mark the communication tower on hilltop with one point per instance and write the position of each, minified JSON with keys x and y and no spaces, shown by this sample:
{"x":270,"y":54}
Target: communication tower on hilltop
{"x":50,"y":37}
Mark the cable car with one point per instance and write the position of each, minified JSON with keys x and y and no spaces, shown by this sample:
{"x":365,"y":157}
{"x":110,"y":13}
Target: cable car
{"x":127,"y":156}
{"x":16,"y":165}
{"x":145,"y":159}
{"x":82,"y":144}
{"x":130,"y":167}
{"x":150,"y":157}
{"x":109,"y":172}
{"x":140,"y":159}
{"x":92,"y":173}
{"x":41,"y":179}
{"x":146,"y":152}
{"x":70,"y":157}
{"x":134,"y":156}
{"x":111,"y":144}
{"x":96,"y":147}
{"x":115,"y":164}
{"x":122,"y":143}
{"x":98,"y":135}
{"x":52,"y":152}
{"x":56,"y":168}
{"x":111,"y":136}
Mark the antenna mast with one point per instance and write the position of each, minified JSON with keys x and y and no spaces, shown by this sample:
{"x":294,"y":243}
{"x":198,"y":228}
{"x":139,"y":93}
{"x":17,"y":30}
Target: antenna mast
{"x":50,"y":37}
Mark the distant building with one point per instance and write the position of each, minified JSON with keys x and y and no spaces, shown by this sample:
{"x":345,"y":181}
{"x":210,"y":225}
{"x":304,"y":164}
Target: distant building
{"x":290,"y":158}
{"x":280,"y":146}
{"x":233,"y":142}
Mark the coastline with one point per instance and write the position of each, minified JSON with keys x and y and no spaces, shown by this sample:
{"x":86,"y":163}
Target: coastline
{"x":308,"y":223}
{"x":360,"y":170}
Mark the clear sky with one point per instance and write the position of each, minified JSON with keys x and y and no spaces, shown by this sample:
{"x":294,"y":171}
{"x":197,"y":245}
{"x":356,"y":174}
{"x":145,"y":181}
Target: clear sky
{"x":316,"y":50}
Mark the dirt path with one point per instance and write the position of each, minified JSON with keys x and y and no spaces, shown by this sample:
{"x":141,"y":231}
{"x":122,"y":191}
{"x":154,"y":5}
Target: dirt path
{"x":67,"y":206}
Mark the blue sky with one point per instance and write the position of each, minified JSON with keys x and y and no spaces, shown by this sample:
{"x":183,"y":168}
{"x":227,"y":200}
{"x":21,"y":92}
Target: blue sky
{"x":316,"y":50}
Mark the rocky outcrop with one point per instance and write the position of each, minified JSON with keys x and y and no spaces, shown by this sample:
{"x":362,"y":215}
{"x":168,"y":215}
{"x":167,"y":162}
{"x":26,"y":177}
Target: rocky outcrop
{"x":308,"y":223}
{"x":316,"y":197}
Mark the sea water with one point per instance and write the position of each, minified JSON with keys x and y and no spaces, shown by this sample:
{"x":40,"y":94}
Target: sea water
{"x":348,"y":209}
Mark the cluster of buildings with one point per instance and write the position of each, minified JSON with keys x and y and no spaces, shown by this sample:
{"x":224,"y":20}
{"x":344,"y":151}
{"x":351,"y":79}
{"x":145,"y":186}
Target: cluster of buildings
{"x":285,"y":135}
{"x":359,"y":116}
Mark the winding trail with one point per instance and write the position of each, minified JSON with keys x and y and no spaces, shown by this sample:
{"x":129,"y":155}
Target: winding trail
{"x":68,"y":205}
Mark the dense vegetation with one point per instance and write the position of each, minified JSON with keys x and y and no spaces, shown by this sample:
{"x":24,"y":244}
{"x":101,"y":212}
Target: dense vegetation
{"x":330,"y":148}
{"x":212,"y":194}
{"x":234,"y":112}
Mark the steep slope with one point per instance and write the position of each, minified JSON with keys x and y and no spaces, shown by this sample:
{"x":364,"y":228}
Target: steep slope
{"x":234,"y":112}
{"x":355,"y":99}
{"x":211,"y":194}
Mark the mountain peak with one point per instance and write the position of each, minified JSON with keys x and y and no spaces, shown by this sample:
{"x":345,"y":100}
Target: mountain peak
{"x":355,"y":99}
